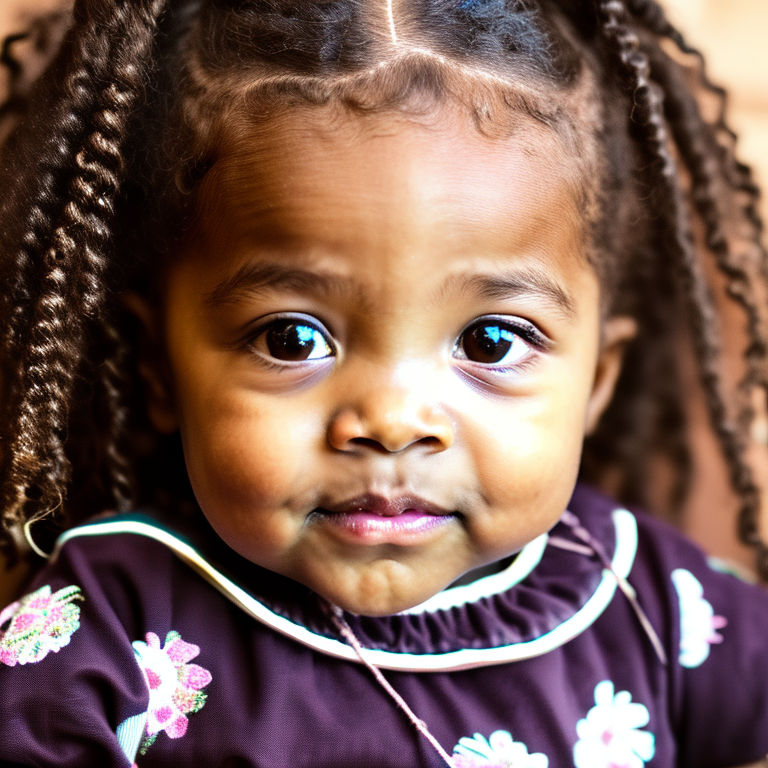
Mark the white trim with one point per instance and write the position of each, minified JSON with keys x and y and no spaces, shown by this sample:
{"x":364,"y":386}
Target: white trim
{"x":453,"y":597}
{"x":622,"y":561}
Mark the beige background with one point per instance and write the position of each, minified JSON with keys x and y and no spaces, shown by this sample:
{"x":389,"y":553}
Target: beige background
{"x":732,"y":34}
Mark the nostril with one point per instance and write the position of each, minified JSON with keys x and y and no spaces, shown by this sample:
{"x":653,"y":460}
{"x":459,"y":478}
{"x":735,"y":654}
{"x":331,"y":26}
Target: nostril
{"x":431,"y":442}
{"x":389,"y":426}
{"x":375,"y":445}
{"x":367,"y":442}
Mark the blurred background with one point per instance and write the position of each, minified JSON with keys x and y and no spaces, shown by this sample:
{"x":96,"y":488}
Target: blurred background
{"x":732,"y":35}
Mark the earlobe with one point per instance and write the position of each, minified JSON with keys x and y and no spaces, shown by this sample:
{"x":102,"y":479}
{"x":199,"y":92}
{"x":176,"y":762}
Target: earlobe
{"x":618,"y":331}
{"x":153,"y":367}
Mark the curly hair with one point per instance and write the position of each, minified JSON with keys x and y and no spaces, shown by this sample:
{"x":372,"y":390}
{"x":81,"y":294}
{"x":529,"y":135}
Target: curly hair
{"x":111,"y":144}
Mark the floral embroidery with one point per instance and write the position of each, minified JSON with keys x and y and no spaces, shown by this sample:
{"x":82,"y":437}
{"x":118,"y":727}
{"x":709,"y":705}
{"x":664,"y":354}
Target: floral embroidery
{"x":174,"y":684}
{"x":39,"y":623}
{"x":500,"y":750}
{"x":698,"y":622}
{"x":609,"y":735}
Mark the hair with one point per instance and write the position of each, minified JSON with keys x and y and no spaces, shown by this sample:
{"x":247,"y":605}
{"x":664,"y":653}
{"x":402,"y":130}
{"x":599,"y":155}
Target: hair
{"x":109,"y":146}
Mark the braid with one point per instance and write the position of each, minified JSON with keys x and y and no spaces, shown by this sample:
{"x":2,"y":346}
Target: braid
{"x":700,"y":152}
{"x":73,"y":267}
{"x":84,"y":58}
{"x":652,"y":16}
{"x":700,"y":157}
{"x":649,"y":115}
{"x":113,"y":379}
{"x":42,"y":199}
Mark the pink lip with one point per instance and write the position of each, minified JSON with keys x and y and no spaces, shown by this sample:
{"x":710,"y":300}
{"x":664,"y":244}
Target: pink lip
{"x":387,"y":507}
{"x":372,"y":519}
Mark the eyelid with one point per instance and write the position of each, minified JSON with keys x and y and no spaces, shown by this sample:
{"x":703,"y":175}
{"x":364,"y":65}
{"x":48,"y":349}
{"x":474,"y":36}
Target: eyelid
{"x":261,"y":324}
{"x":491,"y":376}
{"x":525,"y":329}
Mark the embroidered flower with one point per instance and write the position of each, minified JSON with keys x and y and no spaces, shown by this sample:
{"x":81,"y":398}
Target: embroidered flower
{"x":698,"y":622}
{"x":39,"y":623}
{"x":500,"y":750}
{"x":174,"y":684}
{"x":609,"y":735}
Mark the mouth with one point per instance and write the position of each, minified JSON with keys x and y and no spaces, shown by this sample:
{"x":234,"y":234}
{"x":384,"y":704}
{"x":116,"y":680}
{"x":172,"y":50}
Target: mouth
{"x":373,"y":519}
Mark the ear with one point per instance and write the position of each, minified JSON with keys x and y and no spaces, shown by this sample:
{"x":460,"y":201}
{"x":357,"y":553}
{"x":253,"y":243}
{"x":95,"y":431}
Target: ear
{"x":153,"y":364}
{"x":617,"y":332}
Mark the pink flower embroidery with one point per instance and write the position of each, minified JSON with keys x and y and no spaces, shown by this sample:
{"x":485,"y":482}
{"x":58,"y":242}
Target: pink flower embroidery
{"x":174,"y":684}
{"x":39,"y":623}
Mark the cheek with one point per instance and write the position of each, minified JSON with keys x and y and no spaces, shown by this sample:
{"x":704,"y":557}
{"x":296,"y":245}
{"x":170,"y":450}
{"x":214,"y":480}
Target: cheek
{"x":242,"y":453}
{"x":527,"y":460}
{"x":526,"y":494}
{"x":245,"y":470}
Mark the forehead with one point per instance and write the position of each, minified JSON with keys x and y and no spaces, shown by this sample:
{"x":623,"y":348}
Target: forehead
{"x":324,"y":173}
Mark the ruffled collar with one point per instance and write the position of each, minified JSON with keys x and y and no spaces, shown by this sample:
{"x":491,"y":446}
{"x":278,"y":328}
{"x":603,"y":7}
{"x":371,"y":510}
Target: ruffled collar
{"x":553,"y":590}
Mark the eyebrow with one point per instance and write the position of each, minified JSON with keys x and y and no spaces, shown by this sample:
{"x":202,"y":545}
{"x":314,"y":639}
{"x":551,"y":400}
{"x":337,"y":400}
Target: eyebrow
{"x":252,"y":278}
{"x":515,"y":283}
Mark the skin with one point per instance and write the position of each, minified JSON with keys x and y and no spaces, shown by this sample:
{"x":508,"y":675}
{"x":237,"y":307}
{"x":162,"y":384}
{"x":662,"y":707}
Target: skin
{"x":388,"y":237}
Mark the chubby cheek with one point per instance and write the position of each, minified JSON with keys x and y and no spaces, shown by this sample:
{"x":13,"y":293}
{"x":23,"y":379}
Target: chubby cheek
{"x":527,"y":468}
{"x":246,"y":466}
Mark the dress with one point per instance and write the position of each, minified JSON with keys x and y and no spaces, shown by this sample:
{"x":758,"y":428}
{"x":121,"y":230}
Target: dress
{"x":164,"y":648}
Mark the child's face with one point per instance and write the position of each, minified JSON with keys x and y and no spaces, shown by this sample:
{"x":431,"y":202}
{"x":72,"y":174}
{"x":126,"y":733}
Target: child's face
{"x":383,"y":350}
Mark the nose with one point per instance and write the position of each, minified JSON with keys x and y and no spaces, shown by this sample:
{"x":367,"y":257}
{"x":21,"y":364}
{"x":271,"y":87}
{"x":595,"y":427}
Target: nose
{"x":389,"y":420}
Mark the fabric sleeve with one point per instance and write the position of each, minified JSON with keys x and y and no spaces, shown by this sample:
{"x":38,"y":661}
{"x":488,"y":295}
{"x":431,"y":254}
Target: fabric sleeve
{"x":718,"y":660}
{"x":68,"y":671}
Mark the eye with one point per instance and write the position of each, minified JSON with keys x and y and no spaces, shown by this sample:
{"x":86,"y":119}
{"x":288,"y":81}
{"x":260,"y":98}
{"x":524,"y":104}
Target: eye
{"x":292,"y":339}
{"x":495,"y":342}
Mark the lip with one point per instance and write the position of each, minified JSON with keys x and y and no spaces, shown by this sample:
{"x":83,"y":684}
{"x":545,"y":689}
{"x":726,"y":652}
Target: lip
{"x":373,"y":519}
{"x":387,"y":507}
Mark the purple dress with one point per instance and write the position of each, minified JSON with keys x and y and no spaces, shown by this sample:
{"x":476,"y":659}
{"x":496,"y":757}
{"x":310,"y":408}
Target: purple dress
{"x":143,"y":644}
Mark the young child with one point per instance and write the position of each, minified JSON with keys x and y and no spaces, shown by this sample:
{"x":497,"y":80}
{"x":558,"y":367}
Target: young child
{"x":378,"y":270}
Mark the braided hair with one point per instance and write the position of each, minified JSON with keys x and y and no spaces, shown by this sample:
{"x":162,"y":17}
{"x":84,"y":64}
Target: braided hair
{"x":110,"y":145}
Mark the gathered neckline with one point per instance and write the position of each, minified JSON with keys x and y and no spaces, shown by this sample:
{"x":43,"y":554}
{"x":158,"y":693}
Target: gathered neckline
{"x":546,"y":596}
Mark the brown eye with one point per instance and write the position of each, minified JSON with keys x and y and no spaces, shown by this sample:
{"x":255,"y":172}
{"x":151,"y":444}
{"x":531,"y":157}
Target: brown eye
{"x":492,"y":343}
{"x":293,"y":341}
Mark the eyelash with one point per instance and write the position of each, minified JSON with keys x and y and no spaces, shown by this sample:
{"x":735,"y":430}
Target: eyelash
{"x":298,"y":319}
{"x":524,"y":330}
{"x":517,"y":327}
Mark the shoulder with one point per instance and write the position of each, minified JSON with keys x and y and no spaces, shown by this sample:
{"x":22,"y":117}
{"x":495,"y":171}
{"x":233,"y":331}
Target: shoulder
{"x":91,"y":641}
{"x":132,"y":547}
{"x":99,"y":575}
{"x":667,"y":558}
{"x":668,"y":569}
{"x":659,"y":545}
{"x":713,"y":626}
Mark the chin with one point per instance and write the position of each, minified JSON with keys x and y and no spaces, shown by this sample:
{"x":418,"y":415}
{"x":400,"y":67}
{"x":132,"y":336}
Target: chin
{"x":376,"y":604}
{"x":381,"y":588}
